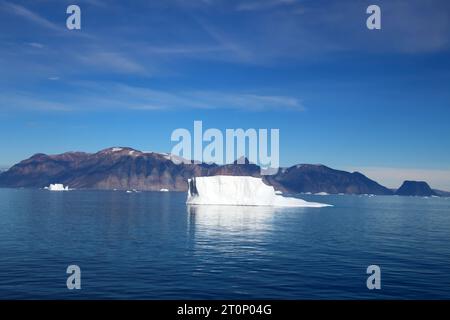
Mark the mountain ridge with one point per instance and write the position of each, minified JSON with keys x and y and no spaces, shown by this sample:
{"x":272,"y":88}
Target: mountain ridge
{"x":126,"y":168}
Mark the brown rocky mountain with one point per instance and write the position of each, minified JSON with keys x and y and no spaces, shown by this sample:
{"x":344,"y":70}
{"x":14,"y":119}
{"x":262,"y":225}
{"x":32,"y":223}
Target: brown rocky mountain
{"x":319,"y":178}
{"x":126,"y":168}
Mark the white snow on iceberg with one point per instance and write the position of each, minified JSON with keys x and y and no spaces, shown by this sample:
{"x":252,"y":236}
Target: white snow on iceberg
{"x":57,"y":187}
{"x":239,"y":191}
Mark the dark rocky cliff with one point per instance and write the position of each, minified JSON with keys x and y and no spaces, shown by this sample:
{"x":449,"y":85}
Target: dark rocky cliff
{"x":415,"y":188}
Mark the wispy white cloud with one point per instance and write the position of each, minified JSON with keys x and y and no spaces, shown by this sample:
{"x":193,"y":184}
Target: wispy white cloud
{"x":256,"y":5}
{"x":237,"y":51}
{"x":28,"y":102}
{"x":423,"y":28}
{"x":29,"y":15}
{"x":155,"y":99}
{"x":98,"y":3}
{"x":255,"y":37}
{"x":92,"y":96}
{"x":261,"y":38}
{"x":36,"y":45}
{"x":112,"y":61}
{"x":182,"y":50}
{"x":245,"y":101}
{"x":41,"y":21}
{"x":394,"y":177}
{"x":267,"y":36}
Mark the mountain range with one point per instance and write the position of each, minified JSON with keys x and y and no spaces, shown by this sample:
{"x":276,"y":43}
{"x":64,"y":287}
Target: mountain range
{"x":125,"y":168}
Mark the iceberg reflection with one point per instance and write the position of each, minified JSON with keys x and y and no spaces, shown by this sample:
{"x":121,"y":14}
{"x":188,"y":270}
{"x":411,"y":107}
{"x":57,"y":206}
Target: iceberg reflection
{"x":243,"y":220}
{"x":236,"y":232}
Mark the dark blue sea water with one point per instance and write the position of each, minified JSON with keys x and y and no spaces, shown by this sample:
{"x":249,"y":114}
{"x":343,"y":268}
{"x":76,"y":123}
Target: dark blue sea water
{"x":149,"y":245}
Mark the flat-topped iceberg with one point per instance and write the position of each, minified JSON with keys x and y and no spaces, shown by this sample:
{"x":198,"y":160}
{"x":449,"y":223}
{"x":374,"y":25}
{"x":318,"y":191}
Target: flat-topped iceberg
{"x":239,"y":191}
{"x":57,"y":187}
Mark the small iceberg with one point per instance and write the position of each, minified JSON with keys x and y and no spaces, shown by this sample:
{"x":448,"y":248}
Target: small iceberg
{"x":321,"y":194}
{"x":278,"y":192}
{"x":239,"y":191}
{"x":164,"y":190}
{"x":57,"y":187}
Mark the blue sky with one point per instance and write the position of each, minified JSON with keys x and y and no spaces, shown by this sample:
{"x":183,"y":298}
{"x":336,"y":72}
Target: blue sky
{"x":341,"y":95}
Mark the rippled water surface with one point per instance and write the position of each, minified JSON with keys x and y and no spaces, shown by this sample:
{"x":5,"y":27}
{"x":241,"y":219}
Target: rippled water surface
{"x":150,"y":245}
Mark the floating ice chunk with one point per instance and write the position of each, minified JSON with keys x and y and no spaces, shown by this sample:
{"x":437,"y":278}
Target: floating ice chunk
{"x":239,"y":191}
{"x":57,"y":187}
{"x":164,"y":190}
{"x":321,"y":194}
{"x":278,"y":192}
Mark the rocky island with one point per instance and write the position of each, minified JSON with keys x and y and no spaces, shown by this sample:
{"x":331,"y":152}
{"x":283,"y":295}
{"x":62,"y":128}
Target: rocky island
{"x":415,"y":188}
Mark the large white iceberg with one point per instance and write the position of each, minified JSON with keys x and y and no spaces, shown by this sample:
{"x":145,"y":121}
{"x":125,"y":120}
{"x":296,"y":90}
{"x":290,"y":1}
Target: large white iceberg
{"x":57,"y":187}
{"x":239,"y":191}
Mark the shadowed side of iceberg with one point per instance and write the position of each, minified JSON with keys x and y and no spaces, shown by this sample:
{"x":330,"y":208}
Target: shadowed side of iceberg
{"x":239,"y":191}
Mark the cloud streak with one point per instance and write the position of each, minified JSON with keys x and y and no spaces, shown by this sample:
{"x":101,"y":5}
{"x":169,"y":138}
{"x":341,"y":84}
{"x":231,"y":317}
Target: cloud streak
{"x":28,"y":102}
{"x":263,"y":4}
{"x":109,"y":97}
{"x":29,"y":15}
{"x":112,"y":61}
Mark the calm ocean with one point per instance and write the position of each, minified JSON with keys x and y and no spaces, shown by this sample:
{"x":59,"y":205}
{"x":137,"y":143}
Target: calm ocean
{"x":149,"y":245}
